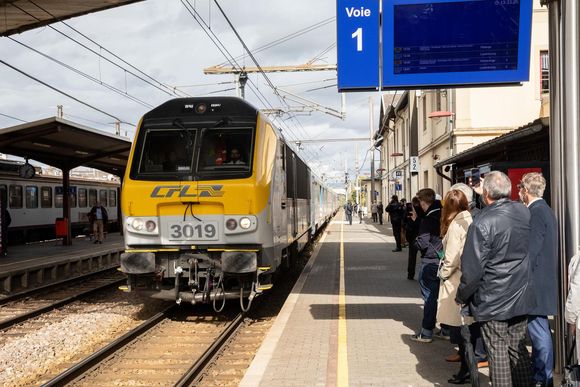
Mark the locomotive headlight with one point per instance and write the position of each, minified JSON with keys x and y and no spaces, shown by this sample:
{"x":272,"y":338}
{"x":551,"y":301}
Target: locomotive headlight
{"x":245,"y":223}
{"x":138,"y":224}
{"x":150,"y":225}
{"x":231,"y":224}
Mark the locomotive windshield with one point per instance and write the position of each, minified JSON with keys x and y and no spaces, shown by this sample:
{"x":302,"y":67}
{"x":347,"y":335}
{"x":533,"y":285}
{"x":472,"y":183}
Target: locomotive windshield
{"x":188,"y":154}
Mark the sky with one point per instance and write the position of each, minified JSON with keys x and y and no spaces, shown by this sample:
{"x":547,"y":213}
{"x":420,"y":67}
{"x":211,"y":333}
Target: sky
{"x":162,"y":40}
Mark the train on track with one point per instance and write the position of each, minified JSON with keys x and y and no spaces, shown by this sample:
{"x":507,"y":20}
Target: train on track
{"x":215,"y":202}
{"x":35,"y":204}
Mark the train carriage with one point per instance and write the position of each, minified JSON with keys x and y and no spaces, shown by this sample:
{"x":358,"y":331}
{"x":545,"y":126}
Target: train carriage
{"x":214,"y":202}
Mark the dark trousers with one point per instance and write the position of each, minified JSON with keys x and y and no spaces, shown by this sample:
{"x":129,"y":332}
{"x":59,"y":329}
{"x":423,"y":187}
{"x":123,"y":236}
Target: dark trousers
{"x":349,"y":218}
{"x":380,"y":217}
{"x":412,"y":263}
{"x":397,"y":233}
{"x":509,"y":360}
{"x":542,"y":351}
{"x":429,"y":283}
{"x":374,"y":217}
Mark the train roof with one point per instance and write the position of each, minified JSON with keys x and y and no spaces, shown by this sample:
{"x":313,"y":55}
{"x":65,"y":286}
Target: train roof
{"x":203,"y":107}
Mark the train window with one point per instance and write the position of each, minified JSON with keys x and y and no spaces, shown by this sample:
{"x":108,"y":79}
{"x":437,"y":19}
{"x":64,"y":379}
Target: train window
{"x":112,"y":198}
{"x":72,"y":197}
{"x":46,"y":197}
{"x":103,"y":199}
{"x":167,"y":150}
{"x":15,"y":199}
{"x":225,"y":153}
{"x":4,"y":194}
{"x":31,"y":196}
{"x":58,"y":201}
{"x":92,"y":197}
{"x":82,"y":197}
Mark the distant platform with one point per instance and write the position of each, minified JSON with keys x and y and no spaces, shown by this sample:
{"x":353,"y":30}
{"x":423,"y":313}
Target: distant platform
{"x":28,"y":266}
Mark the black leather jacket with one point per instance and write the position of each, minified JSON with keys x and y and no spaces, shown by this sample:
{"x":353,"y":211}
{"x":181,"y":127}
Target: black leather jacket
{"x":495,"y":264}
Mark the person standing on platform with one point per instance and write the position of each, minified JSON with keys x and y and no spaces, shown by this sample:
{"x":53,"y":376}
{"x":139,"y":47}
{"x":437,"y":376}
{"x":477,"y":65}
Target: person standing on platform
{"x":455,"y":220}
{"x":380,"y":211}
{"x":359,"y":211}
{"x":429,"y":243}
{"x":496,"y":281}
{"x":404,"y":241}
{"x":348,"y":212}
{"x":544,"y":263}
{"x":414,"y":215}
{"x":100,"y":217}
{"x":374,"y":212}
{"x":395,"y":211}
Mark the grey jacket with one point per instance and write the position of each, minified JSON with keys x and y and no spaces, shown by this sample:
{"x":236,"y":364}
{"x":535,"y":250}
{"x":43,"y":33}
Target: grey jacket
{"x":495,"y":264}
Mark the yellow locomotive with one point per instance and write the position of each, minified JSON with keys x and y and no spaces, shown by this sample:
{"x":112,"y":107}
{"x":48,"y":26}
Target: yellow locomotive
{"x":214,"y":202}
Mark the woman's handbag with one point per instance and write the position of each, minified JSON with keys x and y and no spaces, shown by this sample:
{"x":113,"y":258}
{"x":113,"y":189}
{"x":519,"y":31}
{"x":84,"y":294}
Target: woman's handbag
{"x":571,"y":371}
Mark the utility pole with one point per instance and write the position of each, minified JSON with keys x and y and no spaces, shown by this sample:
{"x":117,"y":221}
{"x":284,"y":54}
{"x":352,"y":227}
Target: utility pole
{"x":564,"y":46}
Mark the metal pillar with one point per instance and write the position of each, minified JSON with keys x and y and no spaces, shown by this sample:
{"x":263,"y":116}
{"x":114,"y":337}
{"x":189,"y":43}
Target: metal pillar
{"x":67,"y":240}
{"x":564,"y":133}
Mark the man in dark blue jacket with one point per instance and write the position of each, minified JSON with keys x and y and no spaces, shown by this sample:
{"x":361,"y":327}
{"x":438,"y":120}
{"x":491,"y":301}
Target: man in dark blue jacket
{"x":429,"y":243}
{"x":543,"y":260}
{"x":496,"y":281}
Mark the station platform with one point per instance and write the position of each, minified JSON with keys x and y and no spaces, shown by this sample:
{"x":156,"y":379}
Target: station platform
{"x":349,"y":318}
{"x":31,"y":265}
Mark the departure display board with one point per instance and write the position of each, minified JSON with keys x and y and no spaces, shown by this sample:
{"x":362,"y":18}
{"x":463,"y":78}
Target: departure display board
{"x":450,"y":42}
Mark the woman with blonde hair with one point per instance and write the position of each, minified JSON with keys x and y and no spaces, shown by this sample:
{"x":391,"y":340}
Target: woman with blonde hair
{"x":455,"y":220}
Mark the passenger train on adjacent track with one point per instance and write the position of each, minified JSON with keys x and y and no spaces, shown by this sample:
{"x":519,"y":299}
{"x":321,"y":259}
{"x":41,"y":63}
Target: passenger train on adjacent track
{"x":35,"y":204}
{"x":214,"y":202}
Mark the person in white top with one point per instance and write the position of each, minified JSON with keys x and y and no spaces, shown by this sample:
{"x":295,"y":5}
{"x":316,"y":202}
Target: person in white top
{"x":572,"y":311}
{"x":235,"y":157}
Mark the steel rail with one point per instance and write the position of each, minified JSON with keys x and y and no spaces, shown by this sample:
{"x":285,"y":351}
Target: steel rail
{"x":37,"y":312}
{"x":205,"y":360}
{"x":97,"y":357}
{"x":40,"y":289}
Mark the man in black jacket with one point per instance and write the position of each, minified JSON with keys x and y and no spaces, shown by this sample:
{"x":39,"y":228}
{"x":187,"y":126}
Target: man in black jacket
{"x":495,"y":281}
{"x":544,"y":263}
{"x":395,"y":211}
{"x":429,"y":243}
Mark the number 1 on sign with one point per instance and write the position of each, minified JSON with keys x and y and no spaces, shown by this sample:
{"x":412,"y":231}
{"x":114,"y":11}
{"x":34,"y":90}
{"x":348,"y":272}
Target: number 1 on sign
{"x":358,"y":35}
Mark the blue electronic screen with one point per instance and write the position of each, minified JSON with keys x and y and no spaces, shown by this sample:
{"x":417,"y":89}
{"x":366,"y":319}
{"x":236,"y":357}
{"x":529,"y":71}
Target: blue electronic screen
{"x":451,"y":42}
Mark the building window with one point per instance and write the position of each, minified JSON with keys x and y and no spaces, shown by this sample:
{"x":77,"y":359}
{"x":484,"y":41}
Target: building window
{"x":425,"y":179}
{"x":545,"y":72}
{"x":31,"y":196}
{"x":424,"y":112}
{"x":46,"y":197}
{"x":15,"y":199}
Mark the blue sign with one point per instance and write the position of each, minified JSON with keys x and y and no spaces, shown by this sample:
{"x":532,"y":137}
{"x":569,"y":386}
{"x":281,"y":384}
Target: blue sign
{"x":358,"y":44}
{"x":451,"y":42}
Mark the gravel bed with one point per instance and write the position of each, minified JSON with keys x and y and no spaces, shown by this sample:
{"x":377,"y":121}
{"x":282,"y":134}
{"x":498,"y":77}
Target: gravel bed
{"x":67,"y":336}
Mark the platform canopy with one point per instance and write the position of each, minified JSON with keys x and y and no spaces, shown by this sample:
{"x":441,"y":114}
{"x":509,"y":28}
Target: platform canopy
{"x":64,"y":144}
{"x":17,"y":16}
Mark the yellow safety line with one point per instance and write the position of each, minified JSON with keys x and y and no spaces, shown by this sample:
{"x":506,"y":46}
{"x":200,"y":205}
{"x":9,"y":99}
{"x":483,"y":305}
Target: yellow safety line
{"x":342,"y":368}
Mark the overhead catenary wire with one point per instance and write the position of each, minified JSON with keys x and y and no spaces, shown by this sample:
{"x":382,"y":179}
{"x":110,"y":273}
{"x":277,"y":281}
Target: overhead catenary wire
{"x":170,"y":88}
{"x":12,"y":117}
{"x":64,"y":93}
{"x":85,"y":75}
{"x":168,"y":92}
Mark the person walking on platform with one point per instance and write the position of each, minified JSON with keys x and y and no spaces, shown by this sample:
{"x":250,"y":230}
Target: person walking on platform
{"x":495,"y":281}
{"x":414,"y":215}
{"x":374,"y":212}
{"x":380,"y":211}
{"x":544,"y":263}
{"x":429,"y":243}
{"x":348,"y":212}
{"x":455,"y":220}
{"x":359,"y":211}
{"x":99,"y":217}
{"x":395,"y":211}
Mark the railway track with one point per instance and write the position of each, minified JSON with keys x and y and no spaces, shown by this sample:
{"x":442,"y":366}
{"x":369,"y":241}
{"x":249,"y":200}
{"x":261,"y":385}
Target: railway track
{"x":167,"y":349}
{"x":24,"y":306}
